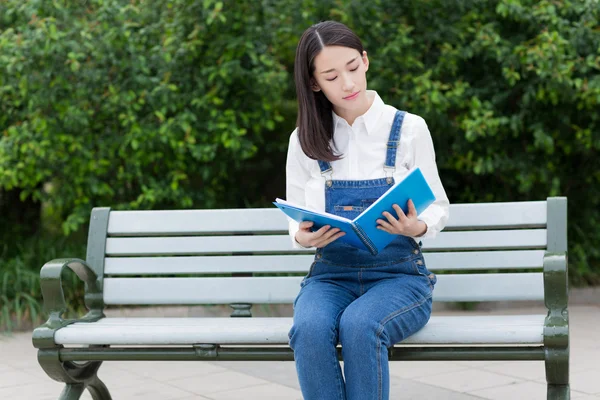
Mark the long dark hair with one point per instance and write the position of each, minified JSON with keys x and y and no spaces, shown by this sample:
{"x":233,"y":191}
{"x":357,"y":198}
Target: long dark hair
{"x":315,"y":122}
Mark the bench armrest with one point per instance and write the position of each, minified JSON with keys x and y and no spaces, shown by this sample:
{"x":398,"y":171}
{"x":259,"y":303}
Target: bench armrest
{"x":556,"y":326}
{"x":556,"y":285}
{"x":54,"y":297}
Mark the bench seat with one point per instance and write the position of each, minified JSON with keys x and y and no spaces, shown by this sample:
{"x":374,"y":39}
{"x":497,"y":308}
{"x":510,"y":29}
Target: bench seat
{"x":497,"y":329}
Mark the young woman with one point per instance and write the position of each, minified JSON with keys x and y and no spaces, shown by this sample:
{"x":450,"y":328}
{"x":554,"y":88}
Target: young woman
{"x":348,"y":149}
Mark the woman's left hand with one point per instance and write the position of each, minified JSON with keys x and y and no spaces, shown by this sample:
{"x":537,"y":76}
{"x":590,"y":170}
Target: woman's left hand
{"x":406,"y":224}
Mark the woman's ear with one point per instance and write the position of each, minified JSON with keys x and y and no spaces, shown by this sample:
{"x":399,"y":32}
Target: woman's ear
{"x":365,"y":60}
{"x":314,"y":85}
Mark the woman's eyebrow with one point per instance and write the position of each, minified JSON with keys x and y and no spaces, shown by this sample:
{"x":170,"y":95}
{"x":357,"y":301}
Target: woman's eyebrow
{"x":333,"y":69}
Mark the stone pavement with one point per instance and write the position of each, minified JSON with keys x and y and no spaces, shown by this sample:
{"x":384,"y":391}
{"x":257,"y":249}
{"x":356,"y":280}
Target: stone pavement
{"x":22,"y":378}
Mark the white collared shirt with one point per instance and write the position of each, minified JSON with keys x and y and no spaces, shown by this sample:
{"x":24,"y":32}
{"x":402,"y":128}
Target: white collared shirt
{"x":363,"y":147}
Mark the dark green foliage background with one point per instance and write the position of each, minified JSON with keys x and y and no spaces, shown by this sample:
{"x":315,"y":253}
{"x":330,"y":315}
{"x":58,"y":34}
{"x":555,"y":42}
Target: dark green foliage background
{"x":189,"y":104}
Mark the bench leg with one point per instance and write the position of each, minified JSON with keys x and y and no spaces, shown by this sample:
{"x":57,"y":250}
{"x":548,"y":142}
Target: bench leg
{"x":557,"y":373}
{"x":558,"y":392}
{"x":77,"y":376}
{"x":72,"y":391}
{"x":556,"y":326}
{"x":98,"y":389}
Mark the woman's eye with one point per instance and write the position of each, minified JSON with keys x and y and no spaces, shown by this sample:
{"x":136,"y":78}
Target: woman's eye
{"x":333,"y":79}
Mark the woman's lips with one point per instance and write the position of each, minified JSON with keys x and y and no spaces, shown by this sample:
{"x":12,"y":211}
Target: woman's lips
{"x":352,"y":96}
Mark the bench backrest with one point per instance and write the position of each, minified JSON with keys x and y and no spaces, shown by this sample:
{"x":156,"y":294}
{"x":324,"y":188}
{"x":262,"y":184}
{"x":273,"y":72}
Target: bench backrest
{"x":488,"y":252}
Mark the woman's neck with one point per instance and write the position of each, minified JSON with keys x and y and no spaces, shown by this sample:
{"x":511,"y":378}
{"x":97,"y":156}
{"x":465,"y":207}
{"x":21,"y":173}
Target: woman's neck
{"x":350,"y":115}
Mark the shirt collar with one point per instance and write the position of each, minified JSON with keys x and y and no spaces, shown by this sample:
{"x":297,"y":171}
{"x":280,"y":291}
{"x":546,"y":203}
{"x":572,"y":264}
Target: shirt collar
{"x":370,"y":117}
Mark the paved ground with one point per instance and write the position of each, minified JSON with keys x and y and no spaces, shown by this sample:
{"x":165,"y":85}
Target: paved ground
{"x":22,"y":378}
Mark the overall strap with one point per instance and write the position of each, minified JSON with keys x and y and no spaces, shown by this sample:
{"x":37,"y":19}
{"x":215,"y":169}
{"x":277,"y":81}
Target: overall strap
{"x":325,"y":166}
{"x":326,"y":169}
{"x":392,"y":145}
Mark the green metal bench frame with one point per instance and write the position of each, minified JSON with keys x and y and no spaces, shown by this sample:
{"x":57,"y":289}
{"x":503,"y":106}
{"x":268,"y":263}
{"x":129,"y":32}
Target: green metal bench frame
{"x":78,"y":367}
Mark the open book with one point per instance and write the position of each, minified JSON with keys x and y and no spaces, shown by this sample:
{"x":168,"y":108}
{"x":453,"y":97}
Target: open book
{"x":362,"y":232}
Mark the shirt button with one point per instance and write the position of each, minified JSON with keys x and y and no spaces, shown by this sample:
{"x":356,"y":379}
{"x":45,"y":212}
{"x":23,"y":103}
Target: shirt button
{"x":416,"y":251}
{"x":419,"y":262}
{"x":318,"y":256}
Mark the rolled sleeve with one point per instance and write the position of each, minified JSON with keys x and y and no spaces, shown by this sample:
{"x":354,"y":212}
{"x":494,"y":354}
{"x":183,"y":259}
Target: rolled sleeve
{"x":297,"y":175}
{"x":436,"y":215}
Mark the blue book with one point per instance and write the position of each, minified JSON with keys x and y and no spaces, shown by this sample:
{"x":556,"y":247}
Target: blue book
{"x":362,"y":232}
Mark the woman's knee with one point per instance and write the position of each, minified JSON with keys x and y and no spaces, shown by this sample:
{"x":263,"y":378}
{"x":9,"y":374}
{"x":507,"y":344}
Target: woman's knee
{"x":356,"y":328}
{"x":316,"y":332}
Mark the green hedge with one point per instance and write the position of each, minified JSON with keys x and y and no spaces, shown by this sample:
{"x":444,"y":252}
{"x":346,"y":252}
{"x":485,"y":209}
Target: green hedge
{"x":181,"y":104}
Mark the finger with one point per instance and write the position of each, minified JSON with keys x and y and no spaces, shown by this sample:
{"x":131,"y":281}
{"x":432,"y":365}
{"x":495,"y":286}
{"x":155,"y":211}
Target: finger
{"x":330,"y":233}
{"x":412,"y":211}
{"x":382,"y":228}
{"x":332,"y":239}
{"x":306,"y":224}
{"x":385,"y":225}
{"x":400,"y":212}
{"x":392,"y":221}
{"x":321,"y":231}
{"x":336,"y":237}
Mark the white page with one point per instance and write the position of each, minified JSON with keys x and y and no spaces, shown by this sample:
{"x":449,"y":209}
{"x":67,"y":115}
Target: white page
{"x":333,"y":216}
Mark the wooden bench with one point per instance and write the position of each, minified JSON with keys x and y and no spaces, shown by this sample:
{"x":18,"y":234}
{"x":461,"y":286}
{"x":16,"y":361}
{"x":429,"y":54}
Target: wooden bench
{"x":488,"y":252}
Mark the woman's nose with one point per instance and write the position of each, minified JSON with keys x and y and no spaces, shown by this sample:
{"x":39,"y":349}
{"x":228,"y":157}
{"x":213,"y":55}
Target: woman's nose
{"x":347,"y":83}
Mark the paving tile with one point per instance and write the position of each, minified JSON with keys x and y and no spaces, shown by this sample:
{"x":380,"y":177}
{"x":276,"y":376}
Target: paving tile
{"x":115,"y":378}
{"x":270,"y":391}
{"x":468,"y":380}
{"x":406,"y":389}
{"x":415,"y":369}
{"x":5,"y":367}
{"x":528,"y":370}
{"x":586,"y":381}
{"x":38,"y":390}
{"x":279,"y":372}
{"x":195,"y":397}
{"x":150,"y":390}
{"x":582,"y":345}
{"x":207,"y":385}
{"x":477,"y":364}
{"x":584,"y":359}
{"x":520,"y":390}
{"x":166,"y":370}
{"x":15,"y":377}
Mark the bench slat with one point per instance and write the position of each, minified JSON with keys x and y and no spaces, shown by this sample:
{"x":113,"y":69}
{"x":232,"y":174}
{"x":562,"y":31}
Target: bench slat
{"x":525,"y":214}
{"x":196,"y":245}
{"x":197,"y":222}
{"x":300,"y":263}
{"x":263,"y":290}
{"x":498,"y":329}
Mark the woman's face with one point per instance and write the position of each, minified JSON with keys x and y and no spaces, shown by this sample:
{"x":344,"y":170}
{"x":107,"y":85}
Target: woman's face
{"x":340,"y":72}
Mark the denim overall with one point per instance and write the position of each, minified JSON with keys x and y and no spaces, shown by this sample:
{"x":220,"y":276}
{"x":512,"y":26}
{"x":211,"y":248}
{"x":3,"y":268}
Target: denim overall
{"x":365,"y":302}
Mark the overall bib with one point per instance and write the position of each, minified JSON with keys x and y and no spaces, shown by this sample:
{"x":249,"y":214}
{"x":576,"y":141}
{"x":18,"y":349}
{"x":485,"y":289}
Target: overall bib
{"x":364,"y":302}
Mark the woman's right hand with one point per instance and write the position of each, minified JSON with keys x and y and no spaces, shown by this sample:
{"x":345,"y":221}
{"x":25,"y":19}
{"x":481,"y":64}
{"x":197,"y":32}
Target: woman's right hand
{"x":319,"y":238}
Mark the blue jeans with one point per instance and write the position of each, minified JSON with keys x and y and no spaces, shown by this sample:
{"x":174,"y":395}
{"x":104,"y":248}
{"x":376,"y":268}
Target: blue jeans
{"x":367,"y":310}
